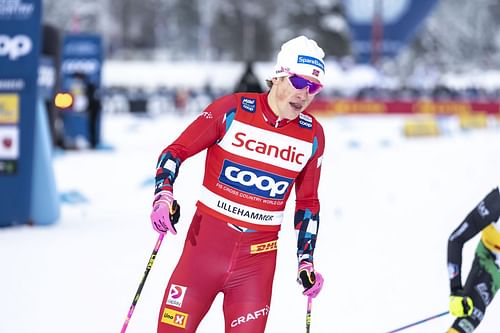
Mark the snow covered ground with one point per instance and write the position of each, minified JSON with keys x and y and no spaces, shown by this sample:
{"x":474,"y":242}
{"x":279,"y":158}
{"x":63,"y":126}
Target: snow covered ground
{"x":388,"y":206}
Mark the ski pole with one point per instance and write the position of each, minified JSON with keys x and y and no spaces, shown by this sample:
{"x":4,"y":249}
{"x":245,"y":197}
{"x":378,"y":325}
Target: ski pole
{"x":143,"y":281}
{"x":174,"y":217}
{"x":419,"y":322}
{"x":308,"y":314}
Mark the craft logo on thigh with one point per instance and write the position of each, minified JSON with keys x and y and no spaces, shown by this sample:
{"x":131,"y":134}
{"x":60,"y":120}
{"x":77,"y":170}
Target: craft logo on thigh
{"x":263,"y":247}
{"x":176,"y":295}
{"x":174,"y":318}
{"x":261,"y":313}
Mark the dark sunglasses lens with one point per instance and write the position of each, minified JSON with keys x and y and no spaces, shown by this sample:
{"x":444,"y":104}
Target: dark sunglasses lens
{"x":314,"y":88}
{"x":300,"y":83}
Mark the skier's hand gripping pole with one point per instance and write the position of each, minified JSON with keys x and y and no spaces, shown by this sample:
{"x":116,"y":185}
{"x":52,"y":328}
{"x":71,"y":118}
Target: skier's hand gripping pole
{"x":461,"y":305}
{"x":163,"y":216}
{"x":311,"y":280}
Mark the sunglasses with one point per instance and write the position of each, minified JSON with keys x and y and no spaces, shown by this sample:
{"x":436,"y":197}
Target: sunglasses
{"x":299,"y":83}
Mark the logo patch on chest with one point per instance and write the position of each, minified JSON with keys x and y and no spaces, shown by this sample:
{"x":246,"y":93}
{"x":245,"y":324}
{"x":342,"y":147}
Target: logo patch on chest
{"x":248,"y":104}
{"x":305,"y":121}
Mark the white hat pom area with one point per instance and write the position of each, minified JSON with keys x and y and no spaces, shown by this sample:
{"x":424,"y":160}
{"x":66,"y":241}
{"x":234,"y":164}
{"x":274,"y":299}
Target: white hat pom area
{"x":301,"y":56}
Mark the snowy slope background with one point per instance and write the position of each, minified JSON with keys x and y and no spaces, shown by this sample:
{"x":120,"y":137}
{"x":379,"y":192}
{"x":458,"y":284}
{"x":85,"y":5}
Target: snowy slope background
{"x":388,"y":205}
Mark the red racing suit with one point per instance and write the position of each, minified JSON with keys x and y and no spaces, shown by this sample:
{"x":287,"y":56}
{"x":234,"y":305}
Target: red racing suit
{"x":253,"y":161}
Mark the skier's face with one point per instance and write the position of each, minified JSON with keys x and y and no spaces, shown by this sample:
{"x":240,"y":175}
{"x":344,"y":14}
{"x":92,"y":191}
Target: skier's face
{"x":289,"y":101}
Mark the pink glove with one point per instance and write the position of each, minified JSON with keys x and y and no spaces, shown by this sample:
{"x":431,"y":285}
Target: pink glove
{"x":311,"y":280}
{"x":162,"y":214}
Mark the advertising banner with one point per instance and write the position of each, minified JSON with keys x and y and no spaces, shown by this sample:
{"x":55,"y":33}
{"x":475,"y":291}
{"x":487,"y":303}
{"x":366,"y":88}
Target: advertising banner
{"x":81,"y":53}
{"x":346,"y":106}
{"x":81,"y":66}
{"x":46,"y":78}
{"x":384,"y":26}
{"x":20,"y":34}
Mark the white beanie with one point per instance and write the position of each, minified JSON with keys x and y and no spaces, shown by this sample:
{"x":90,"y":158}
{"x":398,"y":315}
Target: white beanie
{"x":301,"y":56}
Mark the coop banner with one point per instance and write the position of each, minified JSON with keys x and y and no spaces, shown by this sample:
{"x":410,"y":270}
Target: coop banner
{"x":20,"y":35}
{"x":19,"y":51}
{"x":81,"y":54}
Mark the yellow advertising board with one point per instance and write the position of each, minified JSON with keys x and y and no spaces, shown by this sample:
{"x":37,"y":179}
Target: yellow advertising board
{"x":9,"y":108}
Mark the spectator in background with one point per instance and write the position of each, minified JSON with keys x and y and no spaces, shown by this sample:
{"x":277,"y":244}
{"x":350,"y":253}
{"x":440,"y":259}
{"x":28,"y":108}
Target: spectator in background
{"x":182,"y":97}
{"x":93,"y":107}
{"x":249,"y":81}
{"x":94,"y":114}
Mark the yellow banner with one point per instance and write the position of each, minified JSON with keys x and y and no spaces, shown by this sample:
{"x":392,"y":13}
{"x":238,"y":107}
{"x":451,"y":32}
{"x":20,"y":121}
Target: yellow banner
{"x":9,"y":108}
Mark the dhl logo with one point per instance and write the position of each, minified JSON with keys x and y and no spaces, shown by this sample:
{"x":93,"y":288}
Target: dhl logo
{"x":174,"y":318}
{"x":264,"y":247}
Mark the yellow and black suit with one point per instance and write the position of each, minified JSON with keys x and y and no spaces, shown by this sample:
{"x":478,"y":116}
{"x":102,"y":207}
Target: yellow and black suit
{"x":483,"y":280}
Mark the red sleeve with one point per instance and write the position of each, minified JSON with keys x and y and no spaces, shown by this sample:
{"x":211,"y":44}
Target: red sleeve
{"x":203,"y":132}
{"x":306,"y":219}
{"x":306,"y":185}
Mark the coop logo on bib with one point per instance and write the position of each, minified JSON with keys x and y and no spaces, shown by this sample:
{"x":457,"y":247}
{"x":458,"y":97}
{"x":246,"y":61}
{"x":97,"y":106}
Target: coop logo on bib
{"x":254,"y":181}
